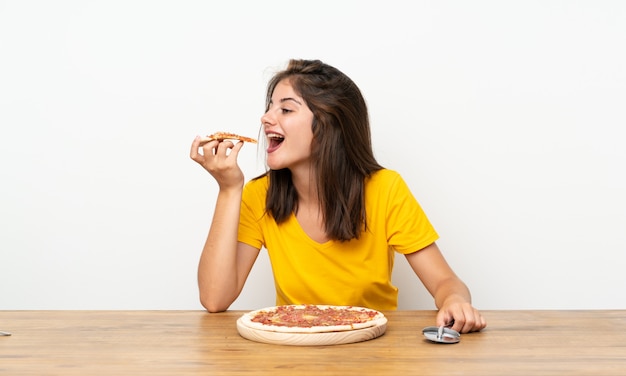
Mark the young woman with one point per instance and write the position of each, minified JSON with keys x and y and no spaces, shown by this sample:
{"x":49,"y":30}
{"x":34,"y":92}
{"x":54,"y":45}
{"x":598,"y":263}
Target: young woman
{"x":330,"y":217}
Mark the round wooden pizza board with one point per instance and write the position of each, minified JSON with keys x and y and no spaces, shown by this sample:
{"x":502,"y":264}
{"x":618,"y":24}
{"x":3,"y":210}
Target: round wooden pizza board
{"x":312,"y":339}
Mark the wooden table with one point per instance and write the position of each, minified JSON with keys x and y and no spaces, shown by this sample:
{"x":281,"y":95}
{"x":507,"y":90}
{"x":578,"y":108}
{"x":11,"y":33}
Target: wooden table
{"x":195,"y":342}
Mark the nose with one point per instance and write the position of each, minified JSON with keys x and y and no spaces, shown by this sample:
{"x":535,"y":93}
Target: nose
{"x":267,"y":119}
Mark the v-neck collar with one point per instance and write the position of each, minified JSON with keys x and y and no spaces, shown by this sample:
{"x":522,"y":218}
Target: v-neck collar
{"x":296,"y":225}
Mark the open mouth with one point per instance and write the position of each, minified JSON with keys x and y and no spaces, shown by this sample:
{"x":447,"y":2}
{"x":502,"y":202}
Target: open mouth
{"x":274,"y":140}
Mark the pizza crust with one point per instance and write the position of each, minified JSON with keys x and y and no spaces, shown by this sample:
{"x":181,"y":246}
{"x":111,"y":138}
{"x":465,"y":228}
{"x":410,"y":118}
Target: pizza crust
{"x":377,"y":319}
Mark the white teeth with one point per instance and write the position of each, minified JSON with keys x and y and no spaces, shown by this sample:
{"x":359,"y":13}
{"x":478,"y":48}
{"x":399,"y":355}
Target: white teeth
{"x":274,"y":135}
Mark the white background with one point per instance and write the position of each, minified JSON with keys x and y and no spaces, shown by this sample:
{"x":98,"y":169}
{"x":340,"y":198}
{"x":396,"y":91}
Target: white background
{"x":506,"y":118}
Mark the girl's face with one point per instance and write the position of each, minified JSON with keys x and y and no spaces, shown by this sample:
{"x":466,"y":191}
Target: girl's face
{"x":288,"y":126}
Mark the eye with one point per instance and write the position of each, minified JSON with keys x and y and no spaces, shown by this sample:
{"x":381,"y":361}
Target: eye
{"x":285,"y":110}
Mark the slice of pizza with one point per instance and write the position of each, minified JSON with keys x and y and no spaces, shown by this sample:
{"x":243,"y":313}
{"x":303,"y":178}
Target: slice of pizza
{"x":221,"y":136}
{"x":309,"y":318}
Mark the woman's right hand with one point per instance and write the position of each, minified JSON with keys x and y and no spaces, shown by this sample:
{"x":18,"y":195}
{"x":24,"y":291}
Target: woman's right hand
{"x":219,"y":158}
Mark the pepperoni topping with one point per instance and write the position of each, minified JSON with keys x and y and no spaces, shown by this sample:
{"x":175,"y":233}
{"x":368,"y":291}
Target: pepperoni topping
{"x":308,"y":316}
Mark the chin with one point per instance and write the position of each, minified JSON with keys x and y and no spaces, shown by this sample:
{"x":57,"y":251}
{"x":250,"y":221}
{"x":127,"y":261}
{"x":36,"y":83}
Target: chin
{"x":274,"y":166}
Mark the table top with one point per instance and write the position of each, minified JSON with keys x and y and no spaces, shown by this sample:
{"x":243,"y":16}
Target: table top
{"x":196,"y":342}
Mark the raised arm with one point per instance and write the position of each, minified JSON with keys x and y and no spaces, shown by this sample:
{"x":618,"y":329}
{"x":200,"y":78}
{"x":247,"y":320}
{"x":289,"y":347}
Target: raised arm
{"x":452,"y":297}
{"x":225,"y":263}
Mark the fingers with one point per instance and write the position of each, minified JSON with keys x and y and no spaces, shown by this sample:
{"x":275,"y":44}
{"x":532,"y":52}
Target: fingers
{"x":200,"y":142}
{"x":205,"y":140}
{"x":444,"y":318}
{"x":463,"y":317}
{"x":219,"y":158}
{"x":469,"y":323}
{"x":211,"y":147}
{"x":224,"y":148}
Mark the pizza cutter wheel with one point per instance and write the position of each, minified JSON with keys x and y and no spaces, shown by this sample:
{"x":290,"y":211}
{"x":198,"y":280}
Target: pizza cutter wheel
{"x":441,"y":334}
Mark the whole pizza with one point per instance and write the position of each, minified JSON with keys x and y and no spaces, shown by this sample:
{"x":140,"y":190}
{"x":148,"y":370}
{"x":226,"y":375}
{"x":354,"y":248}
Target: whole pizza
{"x":309,"y":318}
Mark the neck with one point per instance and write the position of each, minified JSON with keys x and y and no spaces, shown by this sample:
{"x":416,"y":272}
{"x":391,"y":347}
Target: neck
{"x":304,"y":183}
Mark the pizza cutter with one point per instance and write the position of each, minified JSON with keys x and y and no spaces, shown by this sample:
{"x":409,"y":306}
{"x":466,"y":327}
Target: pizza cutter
{"x":441,"y":334}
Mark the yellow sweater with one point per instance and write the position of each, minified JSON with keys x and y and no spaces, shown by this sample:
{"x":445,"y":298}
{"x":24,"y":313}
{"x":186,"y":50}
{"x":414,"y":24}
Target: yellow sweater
{"x":357,"y":272}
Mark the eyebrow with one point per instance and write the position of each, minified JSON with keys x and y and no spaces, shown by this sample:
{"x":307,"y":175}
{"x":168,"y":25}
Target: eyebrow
{"x":290,"y":99}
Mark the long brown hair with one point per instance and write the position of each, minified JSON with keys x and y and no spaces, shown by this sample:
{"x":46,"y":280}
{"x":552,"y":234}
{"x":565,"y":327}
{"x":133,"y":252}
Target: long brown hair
{"x":341,"y":149}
